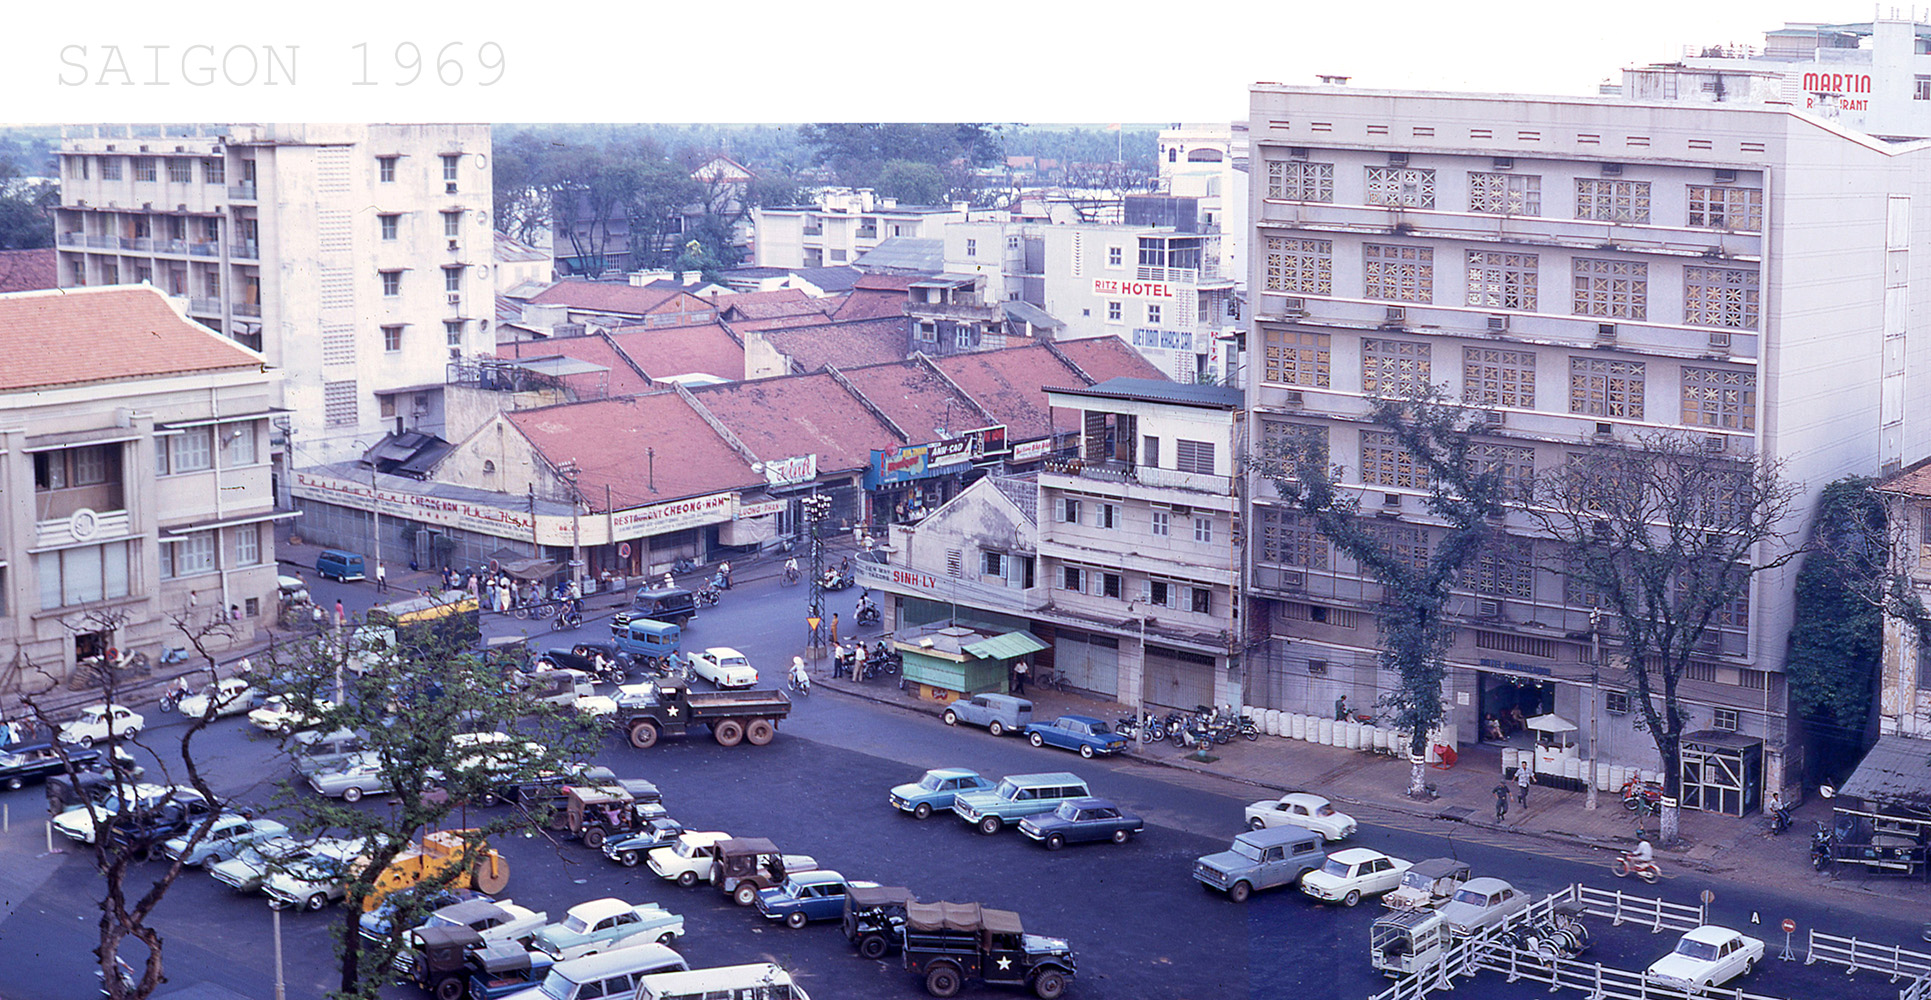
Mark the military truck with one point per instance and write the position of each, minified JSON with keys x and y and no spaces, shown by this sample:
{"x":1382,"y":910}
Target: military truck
{"x":947,"y":942}
{"x":669,"y":707}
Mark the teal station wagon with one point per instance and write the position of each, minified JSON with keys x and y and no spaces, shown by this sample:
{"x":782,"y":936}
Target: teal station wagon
{"x":1017,"y":797}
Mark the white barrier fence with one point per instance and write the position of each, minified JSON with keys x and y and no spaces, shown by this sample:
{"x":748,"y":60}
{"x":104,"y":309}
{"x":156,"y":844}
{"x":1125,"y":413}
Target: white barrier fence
{"x":1598,"y":981}
{"x":1620,"y":907}
{"x":1863,"y":956}
{"x":1920,"y":989}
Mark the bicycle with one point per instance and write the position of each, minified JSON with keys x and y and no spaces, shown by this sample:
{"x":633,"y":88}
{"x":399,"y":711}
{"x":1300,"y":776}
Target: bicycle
{"x":791,"y":577}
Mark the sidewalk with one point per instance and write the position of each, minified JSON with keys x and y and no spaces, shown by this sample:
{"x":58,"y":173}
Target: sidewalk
{"x":1365,"y":781}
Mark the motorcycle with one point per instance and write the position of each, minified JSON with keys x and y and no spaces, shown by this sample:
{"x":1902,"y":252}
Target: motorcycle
{"x":1131,"y":727}
{"x":867,"y":613}
{"x":171,"y":699}
{"x":836,"y":581}
{"x":569,"y":618}
{"x":1779,"y":820}
{"x":683,"y":565}
{"x":1637,"y":793}
{"x":800,"y":680}
{"x":709,"y":595}
{"x":1249,"y":730}
{"x":171,"y":655}
{"x":882,"y":659}
{"x":1628,"y":864}
{"x":1820,"y":847}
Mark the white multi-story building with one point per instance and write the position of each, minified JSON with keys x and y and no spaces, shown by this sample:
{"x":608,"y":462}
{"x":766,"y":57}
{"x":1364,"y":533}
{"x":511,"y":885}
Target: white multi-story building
{"x":134,"y":463}
{"x":356,"y":258}
{"x":1874,"y":76}
{"x":1208,"y":163}
{"x":1584,"y":270}
{"x":1159,"y":288}
{"x":841,"y":226}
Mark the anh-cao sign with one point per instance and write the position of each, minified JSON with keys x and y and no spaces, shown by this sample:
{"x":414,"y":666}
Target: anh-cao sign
{"x":1141,"y":289}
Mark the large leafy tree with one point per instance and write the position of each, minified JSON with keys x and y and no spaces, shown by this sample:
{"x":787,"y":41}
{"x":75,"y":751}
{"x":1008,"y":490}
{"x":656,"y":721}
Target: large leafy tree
{"x":410,"y":709}
{"x":859,"y":151}
{"x":1416,"y":579}
{"x":26,"y":209}
{"x":1666,"y":536}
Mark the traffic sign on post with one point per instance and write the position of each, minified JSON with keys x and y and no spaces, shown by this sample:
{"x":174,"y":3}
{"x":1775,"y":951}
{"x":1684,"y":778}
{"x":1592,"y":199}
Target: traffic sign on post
{"x":1789,"y":927}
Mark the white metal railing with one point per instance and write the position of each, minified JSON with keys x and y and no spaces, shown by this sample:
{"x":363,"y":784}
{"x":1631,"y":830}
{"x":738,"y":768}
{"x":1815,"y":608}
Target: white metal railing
{"x":1864,"y":956}
{"x":1920,"y":989}
{"x":1593,"y":979}
{"x":1620,"y":907}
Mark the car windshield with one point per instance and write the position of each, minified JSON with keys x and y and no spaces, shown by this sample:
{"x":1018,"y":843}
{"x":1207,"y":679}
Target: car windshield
{"x":576,"y":924}
{"x":1325,"y":810}
{"x":1338,"y":869}
{"x":1247,"y":850}
{"x":687,"y":849}
{"x":1471,"y":897}
{"x":1416,"y":880}
{"x":931,"y":782}
{"x":1067,"y":810}
{"x":557,"y":987}
{"x":1008,"y":790}
{"x":1702,"y":951}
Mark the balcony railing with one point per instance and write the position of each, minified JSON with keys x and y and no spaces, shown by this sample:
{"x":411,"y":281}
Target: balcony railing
{"x":209,"y":249}
{"x":206,"y":307}
{"x":243,"y":192}
{"x":247,"y":308}
{"x":245,"y":250}
{"x":73,"y":239}
{"x":103,"y":243}
{"x":1144,"y":475}
{"x":814,"y":230}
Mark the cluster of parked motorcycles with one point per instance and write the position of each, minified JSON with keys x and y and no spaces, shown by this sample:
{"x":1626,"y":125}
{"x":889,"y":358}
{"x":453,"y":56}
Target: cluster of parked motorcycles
{"x":863,"y":663}
{"x":1204,"y":725}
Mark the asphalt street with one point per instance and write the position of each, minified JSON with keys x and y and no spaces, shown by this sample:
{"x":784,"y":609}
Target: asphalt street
{"x":1140,"y":926}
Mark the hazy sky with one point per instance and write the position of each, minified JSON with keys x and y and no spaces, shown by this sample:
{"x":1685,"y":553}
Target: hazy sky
{"x":765,"y":60}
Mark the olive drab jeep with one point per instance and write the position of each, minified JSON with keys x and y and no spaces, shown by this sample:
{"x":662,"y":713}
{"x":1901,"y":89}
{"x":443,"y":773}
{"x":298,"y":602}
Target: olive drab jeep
{"x":947,"y":942}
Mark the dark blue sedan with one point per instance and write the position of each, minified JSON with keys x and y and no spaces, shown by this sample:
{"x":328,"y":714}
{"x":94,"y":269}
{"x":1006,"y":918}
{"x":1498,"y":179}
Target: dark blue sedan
{"x":1078,"y":820}
{"x":1083,"y":733}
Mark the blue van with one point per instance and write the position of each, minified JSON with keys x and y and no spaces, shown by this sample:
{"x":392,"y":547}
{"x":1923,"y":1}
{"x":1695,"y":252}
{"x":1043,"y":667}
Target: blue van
{"x":339,"y":565}
{"x":646,"y":641}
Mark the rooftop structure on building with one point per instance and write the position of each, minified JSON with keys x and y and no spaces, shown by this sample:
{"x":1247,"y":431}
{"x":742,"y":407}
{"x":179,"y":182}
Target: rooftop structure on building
{"x":1873,"y":76}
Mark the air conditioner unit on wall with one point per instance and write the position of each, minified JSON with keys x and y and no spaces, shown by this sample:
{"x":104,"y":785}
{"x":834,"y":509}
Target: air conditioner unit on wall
{"x":1726,"y":177}
{"x":1504,"y":163}
{"x":1720,"y":339}
{"x":1612,"y":170}
{"x":1498,"y":324}
{"x":1492,"y":418}
{"x":1488,"y":609}
{"x":1293,"y":397}
{"x":1397,"y":159}
{"x":1396,"y":315}
{"x":1298,"y":152}
{"x":1294,"y":306}
{"x":1605,"y":333}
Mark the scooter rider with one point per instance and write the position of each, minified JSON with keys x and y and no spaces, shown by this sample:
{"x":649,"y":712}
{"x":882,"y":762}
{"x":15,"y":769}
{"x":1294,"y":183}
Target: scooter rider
{"x":800,"y":677}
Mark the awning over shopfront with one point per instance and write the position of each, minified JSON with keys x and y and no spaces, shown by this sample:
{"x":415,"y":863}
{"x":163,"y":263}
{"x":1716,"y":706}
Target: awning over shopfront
{"x":1010,"y":646}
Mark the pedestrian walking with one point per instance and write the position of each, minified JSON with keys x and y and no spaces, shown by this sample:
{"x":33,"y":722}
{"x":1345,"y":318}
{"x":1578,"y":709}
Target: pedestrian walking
{"x":381,"y":578}
{"x":1524,"y":777}
{"x":1501,"y":803}
{"x":1019,"y":671}
{"x":1341,"y":709}
{"x":724,"y":570}
{"x":341,"y":613}
{"x":834,"y":628}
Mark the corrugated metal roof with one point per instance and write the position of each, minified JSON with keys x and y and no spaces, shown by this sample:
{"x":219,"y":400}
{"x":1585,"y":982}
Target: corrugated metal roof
{"x":1006,"y":647}
{"x":1219,"y":397}
{"x":1896,"y":771}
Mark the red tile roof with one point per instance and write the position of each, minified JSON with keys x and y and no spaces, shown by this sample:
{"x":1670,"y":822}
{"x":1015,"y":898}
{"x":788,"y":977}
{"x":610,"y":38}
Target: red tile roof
{"x":1012,"y":385}
{"x":886,"y":282}
{"x":1109,"y":357}
{"x":28,"y":270}
{"x":611,"y":441}
{"x":867,"y":303}
{"x":916,"y":399}
{"x":765,"y":305}
{"x":858,"y":342}
{"x":623,"y":379}
{"x":682,"y":350}
{"x":779,"y":322}
{"x":620,"y":299}
{"x":110,"y":334}
{"x":798,"y":415}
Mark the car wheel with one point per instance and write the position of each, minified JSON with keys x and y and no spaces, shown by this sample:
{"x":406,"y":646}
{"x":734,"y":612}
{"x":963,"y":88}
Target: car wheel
{"x":1086,"y":751}
{"x":873,"y":946}
{"x":728,"y":733}
{"x":1257,"y":823}
{"x":942,"y":981}
{"x":666,"y":938}
{"x":352,"y":794}
{"x":795,"y":920}
{"x":760,"y":732}
{"x":316,"y":901}
{"x":990,"y":825}
{"x":1054,"y":841}
{"x":86,"y":742}
{"x":1353,"y":898}
{"x":687,"y":879}
{"x":746,"y":894}
{"x":629,"y":859}
{"x":1748,"y":965}
{"x":451,"y":988}
{"x":1049,"y":985}
{"x":1035,"y":739}
{"x":285,"y":730}
{"x":950,"y":717}
{"x":14,"y":783}
{"x":1239,"y":891}
{"x":996,"y":728}
{"x":593,"y":837}
{"x":1121,"y":836}
{"x":922,"y":811}
{"x":643,"y":734}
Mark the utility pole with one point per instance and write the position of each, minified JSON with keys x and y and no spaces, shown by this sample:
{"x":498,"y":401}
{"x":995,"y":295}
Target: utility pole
{"x":1595,"y":701}
{"x":817,"y":507}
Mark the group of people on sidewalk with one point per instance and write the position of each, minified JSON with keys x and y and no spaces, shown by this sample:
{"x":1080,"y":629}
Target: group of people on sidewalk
{"x":1524,"y":777}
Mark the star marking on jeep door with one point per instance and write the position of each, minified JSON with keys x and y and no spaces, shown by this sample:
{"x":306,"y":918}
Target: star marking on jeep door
{"x":1004,"y":964}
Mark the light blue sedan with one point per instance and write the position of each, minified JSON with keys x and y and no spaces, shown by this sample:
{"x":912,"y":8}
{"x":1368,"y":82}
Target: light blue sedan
{"x":224,"y":840}
{"x":936,"y":790}
{"x":1083,"y":733}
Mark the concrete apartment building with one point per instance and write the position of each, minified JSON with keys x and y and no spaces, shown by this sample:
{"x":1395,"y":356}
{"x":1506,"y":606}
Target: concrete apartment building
{"x":355,"y":258}
{"x":842,"y":226}
{"x":137,"y":481}
{"x":1209,"y":163}
{"x":1873,"y":76}
{"x":1584,"y":270}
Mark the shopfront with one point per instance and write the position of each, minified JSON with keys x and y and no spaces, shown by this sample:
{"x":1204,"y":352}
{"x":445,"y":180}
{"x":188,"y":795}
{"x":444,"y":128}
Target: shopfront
{"x":904,"y":482}
{"x":1510,"y":701}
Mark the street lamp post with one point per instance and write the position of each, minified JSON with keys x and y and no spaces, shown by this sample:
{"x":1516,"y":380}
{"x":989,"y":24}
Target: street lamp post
{"x":1595,"y":702}
{"x":817,"y":507}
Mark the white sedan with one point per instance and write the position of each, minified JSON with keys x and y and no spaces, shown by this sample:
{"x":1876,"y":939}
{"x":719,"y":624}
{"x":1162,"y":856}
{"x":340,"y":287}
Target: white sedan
{"x":1707,"y":956}
{"x":278,"y":715}
{"x":95,"y":721}
{"x":1351,"y":874}
{"x":724,"y":667}
{"x":1301,"y":809}
{"x":230,"y":697}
